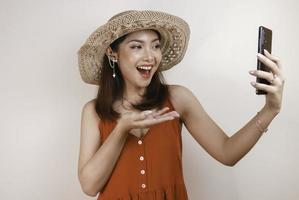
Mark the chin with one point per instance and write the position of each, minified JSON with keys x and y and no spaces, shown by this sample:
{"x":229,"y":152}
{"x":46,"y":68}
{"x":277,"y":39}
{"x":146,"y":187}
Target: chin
{"x":145,"y":84}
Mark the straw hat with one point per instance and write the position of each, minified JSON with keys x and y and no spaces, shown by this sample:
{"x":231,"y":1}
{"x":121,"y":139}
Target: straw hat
{"x":174,"y":33}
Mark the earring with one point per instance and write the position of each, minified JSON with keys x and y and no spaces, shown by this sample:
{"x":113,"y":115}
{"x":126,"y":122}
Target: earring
{"x":112,"y":65}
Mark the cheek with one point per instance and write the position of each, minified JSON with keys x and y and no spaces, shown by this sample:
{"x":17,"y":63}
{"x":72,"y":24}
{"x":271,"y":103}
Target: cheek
{"x":129,"y":58}
{"x":158,"y":55}
{"x":126,"y":64}
{"x":159,"y":58}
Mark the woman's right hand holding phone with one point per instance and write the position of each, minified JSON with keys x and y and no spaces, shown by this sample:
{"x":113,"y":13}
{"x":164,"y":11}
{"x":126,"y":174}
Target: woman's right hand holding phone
{"x":276,"y":79}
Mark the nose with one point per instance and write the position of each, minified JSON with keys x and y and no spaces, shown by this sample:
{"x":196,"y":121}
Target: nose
{"x":149,"y":55}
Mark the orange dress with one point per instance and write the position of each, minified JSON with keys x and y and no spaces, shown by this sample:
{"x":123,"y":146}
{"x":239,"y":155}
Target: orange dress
{"x":148,"y":168}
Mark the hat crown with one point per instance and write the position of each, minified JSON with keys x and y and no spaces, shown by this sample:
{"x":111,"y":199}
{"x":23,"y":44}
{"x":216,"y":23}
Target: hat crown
{"x":121,"y":14}
{"x":174,"y":33}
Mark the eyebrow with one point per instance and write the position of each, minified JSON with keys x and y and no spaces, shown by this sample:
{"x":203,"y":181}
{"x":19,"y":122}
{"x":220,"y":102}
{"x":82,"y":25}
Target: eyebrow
{"x":141,"y":41}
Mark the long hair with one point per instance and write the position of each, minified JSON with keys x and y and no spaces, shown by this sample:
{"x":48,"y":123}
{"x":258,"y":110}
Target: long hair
{"x":112,"y":89}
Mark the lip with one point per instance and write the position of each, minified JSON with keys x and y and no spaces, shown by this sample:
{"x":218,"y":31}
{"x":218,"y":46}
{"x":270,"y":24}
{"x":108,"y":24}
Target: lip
{"x":150,"y":71}
{"x":146,"y":65}
{"x":151,"y":67}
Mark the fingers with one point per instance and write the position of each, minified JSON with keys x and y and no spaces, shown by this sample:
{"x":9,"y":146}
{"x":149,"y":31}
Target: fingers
{"x":163,"y":113}
{"x":142,"y":115}
{"x":160,"y":112}
{"x":156,"y":117}
{"x":147,"y":118}
{"x":274,"y":80}
{"x":278,"y":64}
{"x":173,"y":114}
{"x":136,"y":116}
{"x":269,"y":63}
{"x":275,"y":77}
{"x":264,"y":87}
{"x":152,"y":121}
{"x":273,"y":58}
{"x":262,"y":74}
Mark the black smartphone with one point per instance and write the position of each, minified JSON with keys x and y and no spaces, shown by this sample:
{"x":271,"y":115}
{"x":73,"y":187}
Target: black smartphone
{"x":264,"y":42}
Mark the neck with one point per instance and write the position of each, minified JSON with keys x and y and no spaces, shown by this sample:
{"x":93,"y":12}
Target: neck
{"x":133,"y":94}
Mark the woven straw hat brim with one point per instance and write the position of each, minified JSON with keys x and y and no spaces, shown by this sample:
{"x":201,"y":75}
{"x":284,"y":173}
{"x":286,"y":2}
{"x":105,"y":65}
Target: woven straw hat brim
{"x":174,"y":40}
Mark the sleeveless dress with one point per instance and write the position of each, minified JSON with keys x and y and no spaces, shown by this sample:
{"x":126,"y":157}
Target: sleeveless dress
{"x":148,"y":168}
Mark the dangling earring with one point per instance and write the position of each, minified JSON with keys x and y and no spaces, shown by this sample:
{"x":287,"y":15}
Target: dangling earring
{"x":112,"y":65}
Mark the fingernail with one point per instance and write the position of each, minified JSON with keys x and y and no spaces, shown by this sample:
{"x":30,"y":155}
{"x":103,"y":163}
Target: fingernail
{"x":251,"y":72}
{"x":147,"y":112}
{"x":175,"y":116}
{"x":259,"y":55}
{"x":253,"y":83}
{"x":265,"y":50}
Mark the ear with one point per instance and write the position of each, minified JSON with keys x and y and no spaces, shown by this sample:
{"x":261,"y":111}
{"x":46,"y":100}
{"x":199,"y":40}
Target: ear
{"x":111,"y":54}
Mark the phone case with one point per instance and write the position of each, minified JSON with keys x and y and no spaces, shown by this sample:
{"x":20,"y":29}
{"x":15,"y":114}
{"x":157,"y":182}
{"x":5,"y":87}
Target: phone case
{"x":264,"y":42}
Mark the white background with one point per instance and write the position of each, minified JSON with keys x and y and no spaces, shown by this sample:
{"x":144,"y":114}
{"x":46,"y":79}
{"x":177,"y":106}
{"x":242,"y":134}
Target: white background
{"x":42,"y":94}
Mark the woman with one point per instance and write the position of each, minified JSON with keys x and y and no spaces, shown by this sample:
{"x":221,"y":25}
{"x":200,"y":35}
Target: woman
{"x":131,"y":144}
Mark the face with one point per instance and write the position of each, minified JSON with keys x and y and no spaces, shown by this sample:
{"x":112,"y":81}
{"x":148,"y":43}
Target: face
{"x":139,"y":56}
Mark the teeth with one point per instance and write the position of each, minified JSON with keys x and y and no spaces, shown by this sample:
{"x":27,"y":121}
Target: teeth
{"x":145,"y":67}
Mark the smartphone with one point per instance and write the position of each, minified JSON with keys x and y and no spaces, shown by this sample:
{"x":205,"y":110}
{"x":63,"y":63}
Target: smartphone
{"x":264,"y":42}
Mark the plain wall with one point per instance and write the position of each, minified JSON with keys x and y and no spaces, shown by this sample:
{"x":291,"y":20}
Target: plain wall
{"x":42,"y":94}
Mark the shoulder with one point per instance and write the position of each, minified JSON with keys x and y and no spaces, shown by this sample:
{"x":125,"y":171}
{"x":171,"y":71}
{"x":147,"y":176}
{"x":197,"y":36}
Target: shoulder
{"x":90,"y":104}
{"x":179,"y":93}
{"x":89,"y":110}
{"x":180,"y":97}
{"x":177,"y":90}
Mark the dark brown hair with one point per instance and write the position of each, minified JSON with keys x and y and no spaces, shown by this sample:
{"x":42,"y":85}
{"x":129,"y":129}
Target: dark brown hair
{"x":112,"y":89}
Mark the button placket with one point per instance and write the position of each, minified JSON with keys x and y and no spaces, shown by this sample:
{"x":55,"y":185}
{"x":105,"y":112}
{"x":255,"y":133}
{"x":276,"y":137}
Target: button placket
{"x":142,"y":169}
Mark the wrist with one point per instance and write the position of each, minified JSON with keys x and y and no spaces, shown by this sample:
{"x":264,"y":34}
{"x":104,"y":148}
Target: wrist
{"x":258,"y":124}
{"x":122,"y":126}
{"x":271,"y":110}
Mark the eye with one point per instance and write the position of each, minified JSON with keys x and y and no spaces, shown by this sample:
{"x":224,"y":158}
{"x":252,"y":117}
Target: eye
{"x":136,"y":47}
{"x":157,"y":46}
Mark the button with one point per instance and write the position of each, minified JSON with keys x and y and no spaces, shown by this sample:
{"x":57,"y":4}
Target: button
{"x":141,"y":158}
{"x":143,"y":185}
{"x":140,"y":142}
{"x":142,"y":172}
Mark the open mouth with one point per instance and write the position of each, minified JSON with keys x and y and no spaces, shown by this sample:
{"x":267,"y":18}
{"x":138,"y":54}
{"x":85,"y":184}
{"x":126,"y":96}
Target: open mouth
{"x":145,"y":70}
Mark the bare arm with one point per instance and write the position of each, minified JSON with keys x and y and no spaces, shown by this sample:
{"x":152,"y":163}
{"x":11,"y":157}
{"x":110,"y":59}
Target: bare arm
{"x":96,"y":162}
{"x":241,"y":142}
{"x":202,"y":128}
{"x":225,"y":149}
{"x":229,"y":150}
